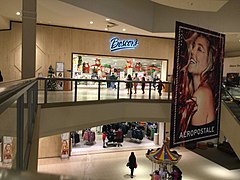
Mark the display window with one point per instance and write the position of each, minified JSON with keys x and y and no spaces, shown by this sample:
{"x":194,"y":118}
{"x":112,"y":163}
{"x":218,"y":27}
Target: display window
{"x":100,"y":67}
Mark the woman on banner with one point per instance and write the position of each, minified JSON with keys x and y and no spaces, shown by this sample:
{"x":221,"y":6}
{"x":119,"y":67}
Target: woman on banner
{"x":64,"y":150}
{"x":197,"y":106}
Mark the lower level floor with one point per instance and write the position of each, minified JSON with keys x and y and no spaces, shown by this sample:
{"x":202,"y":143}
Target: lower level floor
{"x":111,"y":165}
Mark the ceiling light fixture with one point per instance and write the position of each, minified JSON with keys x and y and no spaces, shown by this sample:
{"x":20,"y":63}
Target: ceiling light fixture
{"x":123,"y":29}
{"x":107,"y":19}
{"x":91,"y":22}
{"x":18,"y":13}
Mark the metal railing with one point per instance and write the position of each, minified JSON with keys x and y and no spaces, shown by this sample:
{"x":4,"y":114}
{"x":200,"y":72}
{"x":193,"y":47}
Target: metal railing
{"x":22,"y":97}
{"x":75,"y":89}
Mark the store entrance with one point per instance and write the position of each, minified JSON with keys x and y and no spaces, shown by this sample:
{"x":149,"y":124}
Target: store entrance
{"x":103,"y":67}
{"x":119,"y":136}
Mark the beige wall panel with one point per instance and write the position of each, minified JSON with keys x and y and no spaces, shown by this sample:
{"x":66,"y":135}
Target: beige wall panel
{"x":56,"y":44}
{"x":49,"y":146}
{"x":10,"y":41}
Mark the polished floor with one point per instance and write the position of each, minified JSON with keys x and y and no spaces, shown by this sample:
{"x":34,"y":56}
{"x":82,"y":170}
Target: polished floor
{"x":112,"y":166}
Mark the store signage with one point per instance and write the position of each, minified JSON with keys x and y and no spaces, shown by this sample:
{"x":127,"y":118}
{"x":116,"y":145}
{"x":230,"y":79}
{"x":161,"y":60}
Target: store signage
{"x":117,"y":44}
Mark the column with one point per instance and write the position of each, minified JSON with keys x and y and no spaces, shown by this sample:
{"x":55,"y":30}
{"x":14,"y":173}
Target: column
{"x":29,"y":38}
{"x":161,"y":132}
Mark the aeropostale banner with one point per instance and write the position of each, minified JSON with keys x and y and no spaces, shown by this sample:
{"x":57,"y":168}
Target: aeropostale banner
{"x":197,"y":75}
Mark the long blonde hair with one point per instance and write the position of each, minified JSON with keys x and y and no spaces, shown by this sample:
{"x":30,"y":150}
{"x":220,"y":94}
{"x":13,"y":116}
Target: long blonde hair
{"x":206,"y":75}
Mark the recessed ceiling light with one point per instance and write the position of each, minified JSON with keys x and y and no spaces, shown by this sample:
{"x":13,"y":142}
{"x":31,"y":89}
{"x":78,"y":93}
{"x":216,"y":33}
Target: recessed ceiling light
{"x":91,"y":22}
{"x":123,"y":29}
{"x":106,"y":29}
{"x":107,"y":19}
{"x":18,"y":13}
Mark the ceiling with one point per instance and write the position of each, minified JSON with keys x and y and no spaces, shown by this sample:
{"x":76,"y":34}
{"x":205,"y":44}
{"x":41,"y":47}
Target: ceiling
{"x":145,"y":18}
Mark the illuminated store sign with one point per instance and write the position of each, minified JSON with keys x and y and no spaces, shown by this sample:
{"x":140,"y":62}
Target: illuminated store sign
{"x":117,"y":44}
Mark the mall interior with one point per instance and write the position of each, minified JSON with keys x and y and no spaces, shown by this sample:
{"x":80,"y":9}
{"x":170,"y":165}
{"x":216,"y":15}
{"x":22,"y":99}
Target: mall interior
{"x":65,"y":85}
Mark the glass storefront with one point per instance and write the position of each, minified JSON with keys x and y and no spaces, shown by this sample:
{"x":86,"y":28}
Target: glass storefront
{"x":100,"y":67}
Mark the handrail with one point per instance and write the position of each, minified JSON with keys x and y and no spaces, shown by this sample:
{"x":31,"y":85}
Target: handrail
{"x":96,"y":80}
{"x":15,"y":92}
{"x":99,"y":87}
{"x":229,"y":94}
{"x":11,"y":91}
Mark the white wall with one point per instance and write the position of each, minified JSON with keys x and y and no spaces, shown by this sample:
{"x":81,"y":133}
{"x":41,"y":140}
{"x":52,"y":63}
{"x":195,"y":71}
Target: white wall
{"x":231,"y":65}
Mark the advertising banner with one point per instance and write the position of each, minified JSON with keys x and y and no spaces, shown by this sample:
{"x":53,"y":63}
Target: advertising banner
{"x":65,"y":145}
{"x":197,"y":75}
{"x":7,"y":149}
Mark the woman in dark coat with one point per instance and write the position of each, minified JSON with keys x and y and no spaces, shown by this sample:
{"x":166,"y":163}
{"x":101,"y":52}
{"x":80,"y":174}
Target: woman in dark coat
{"x":132,"y":163}
{"x":1,"y":77}
{"x":129,"y":84}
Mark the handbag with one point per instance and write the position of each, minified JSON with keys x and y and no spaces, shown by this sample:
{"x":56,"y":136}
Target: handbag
{"x":127,"y":164}
{"x":135,"y":166}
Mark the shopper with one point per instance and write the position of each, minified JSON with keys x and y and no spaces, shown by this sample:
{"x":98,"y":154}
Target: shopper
{"x":155,"y":78}
{"x":113,"y":78}
{"x":176,"y":173}
{"x":129,"y":84}
{"x":160,"y":86}
{"x":1,"y":77}
{"x":163,"y":173}
{"x":155,"y":175}
{"x":104,"y":139}
{"x":132,"y":163}
{"x":135,"y":84}
{"x":143,"y":84}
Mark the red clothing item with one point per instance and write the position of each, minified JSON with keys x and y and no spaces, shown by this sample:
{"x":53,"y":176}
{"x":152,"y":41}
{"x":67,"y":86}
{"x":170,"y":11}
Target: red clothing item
{"x":104,"y":136}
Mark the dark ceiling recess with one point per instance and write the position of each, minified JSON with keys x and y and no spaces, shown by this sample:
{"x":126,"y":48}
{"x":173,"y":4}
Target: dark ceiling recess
{"x":111,"y":24}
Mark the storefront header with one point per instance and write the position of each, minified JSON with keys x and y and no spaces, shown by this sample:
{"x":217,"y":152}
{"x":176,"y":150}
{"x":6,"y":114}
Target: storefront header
{"x":117,"y":45}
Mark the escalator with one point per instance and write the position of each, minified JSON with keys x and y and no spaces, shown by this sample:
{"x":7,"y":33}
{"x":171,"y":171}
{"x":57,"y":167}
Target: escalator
{"x":230,"y":119}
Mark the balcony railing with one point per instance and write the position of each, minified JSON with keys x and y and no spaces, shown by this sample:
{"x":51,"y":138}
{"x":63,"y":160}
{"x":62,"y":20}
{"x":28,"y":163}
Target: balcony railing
{"x":75,"y":90}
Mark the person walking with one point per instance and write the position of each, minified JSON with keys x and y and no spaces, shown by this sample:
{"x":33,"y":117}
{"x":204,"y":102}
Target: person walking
{"x":143,"y":84}
{"x":135,"y":84}
{"x":113,"y":78}
{"x":160,"y":86}
{"x":129,"y":84}
{"x":1,"y":77}
{"x":104,"y":139}
{"x":155,"y":81}
{"x":132,"y":163}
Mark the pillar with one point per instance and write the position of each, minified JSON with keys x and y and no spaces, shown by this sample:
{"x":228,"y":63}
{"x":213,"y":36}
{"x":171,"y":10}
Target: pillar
{"x":29,"y":38}
{"x":161,"y":131}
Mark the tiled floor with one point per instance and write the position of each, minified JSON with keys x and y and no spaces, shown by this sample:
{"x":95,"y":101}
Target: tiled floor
{"x":112,"y":166}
